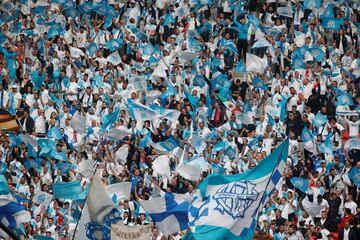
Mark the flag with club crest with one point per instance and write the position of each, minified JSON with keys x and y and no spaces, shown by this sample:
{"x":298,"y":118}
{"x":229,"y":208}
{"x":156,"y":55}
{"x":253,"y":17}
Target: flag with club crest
{"x":300,"y":183}
{"x":306,"y":135}
{"x":326,"y":146}
{"x":319,"y":120}
{"x":345,"y":99}
{"x":227,"y":207}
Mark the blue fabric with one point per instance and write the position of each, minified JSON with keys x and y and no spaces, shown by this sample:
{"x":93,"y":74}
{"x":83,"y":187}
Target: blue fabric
{"x":306,"y":135}
{"x":8,"y":210}
{"x":67,"y":190}
{"x":4,"y":187}
{"x":169,"y":144}
{"x":109,"y":119}
{"x":173,"y":208}
{"x":300,"y":183}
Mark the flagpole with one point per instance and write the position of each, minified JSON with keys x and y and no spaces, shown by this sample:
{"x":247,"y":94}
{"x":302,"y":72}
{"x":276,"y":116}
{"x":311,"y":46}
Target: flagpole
{"x":77,"y":223}
{"x":272,"y":173}
{"x":8,"y":231}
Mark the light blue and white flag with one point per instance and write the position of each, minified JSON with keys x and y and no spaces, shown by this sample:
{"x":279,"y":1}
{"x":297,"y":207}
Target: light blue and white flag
{"x":261,"y":43}
{"x":300,"y":183}
{"x":197,"y":143}
{"x":170,"y":212}
{"x":319,"y":120}
{"x":114,"y":58}
{"x":317,"y":53}
{"x":306,"y":135}
{"x":220,"y":146}
{"x":352,"y":143}
{"x":42,"y":198}
{"x":227,"y":207}
{"x":285,"y":11}
{"x":345,"y":99}
{"x":13,"y":214}
{"x":332,"y":23}
{"x":63,"y":166}
{"x":114,"y":44}
{"x":297,"y":63}
{"x":141,"y":112}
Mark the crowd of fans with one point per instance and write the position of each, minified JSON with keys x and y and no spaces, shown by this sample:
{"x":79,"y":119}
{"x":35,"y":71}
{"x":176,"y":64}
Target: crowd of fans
{"x":55,"y":64}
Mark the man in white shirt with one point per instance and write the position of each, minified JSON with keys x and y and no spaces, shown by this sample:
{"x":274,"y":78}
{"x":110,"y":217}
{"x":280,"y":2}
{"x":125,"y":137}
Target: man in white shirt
{"x":350,"y":204}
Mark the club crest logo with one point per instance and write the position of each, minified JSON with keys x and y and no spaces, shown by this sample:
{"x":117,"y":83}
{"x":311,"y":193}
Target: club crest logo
{"x":235,"y":198}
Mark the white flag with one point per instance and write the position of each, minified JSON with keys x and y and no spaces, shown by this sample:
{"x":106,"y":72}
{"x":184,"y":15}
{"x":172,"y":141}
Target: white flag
{"x":255,"y":63}
{"x":98,"y":201}
{"x":78,"y":123}
{"x":161,"y":165}
{"x":76,"y":52}
{"x":121,"y":190}
{"x":190,"y":172}
{"x":118,"y":133}
{"x":86,"y":168}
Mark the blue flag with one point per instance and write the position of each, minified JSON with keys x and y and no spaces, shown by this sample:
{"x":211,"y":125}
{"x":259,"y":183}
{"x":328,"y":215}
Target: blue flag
{"x":109,"y":119}
{"x":345,"y":99}
{"x":283,"y":111}
{"x":240,"y":67}
{"x":170,"y":91}
{"x":54,"y":30}
{"x":32,"y":164}
{"x":306,"y":135}
{"x":4,"y":187}
{"x":317,"y":53}
{"x":92,"y":49}
{"x":320,"y":120}
{"x":354,"y":175}
{"x":300,"y":183}
{"x":298,"y":63}
{"x":169,"y":144}
{"x":14,"y":213}
{"x":55,"y":133}
{"x":114,"y":44}
{"x":63,"y":166}
{"x":332,"y":23}
{"x":66,"y":190}
{"x":326,"y":147}
{"x":220,"y":146}
{"x":259,"y":84}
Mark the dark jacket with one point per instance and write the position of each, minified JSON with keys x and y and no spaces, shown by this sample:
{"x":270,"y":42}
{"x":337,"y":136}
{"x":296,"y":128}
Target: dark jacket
{"x":29,"y":124}
{"x":352,"y":234}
